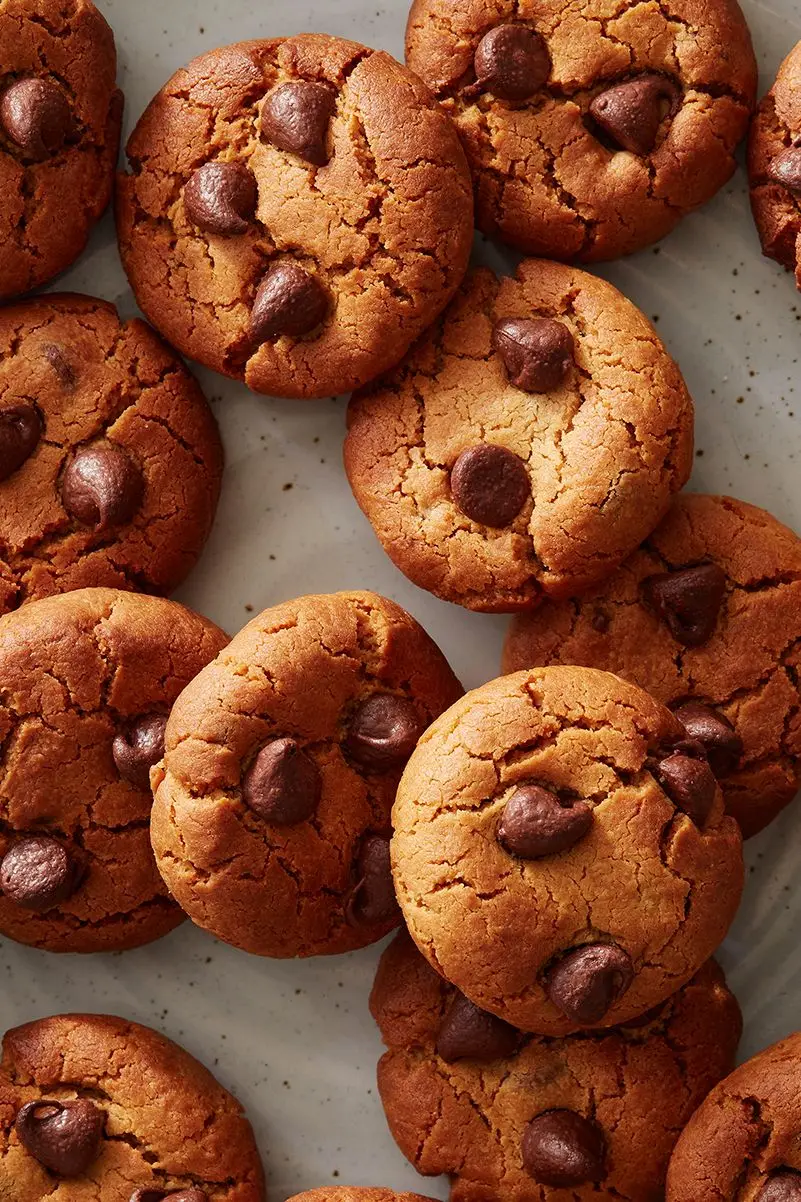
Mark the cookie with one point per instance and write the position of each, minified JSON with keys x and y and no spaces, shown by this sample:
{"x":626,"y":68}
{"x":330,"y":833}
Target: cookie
{"x":590,"y":132}
{"x":560,"y":850}
{"x":272,"y":806}
{"x":530,"y":441}
{"x":297,"y":211}
{"x":110,"y":458}
{"x":517,"y":1118}
{"x":743,"y":1140}
{"x":774,"y":166}
{"x":705,"y":616}
{"x":93,"y":1106}
{"x":88,"y":681}
{"x":60,"y":118}
{"x":354,"y":1193}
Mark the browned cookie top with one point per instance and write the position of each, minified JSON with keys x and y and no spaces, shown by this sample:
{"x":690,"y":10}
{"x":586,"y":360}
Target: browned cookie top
{"x":774,"y":165}
{"x":93,"y":1107}
{"x":516,"y":1118}
{"x":527,"y":444}
{"x":296,"y":213}
{"x":88,"y":679}
{"x":592,"y":129}
{"x":355,"y":1193}
{"x":60,"y":116}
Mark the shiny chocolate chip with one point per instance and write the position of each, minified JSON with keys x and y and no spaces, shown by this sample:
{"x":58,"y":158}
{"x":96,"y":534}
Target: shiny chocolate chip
{"x":373,"y":899}
{"x":288,"y":301}
{"x":283,"y":784}
{"x":384,"y":732}
{"x":20,"y":431}
{"x":714,"y":732}
{"x":537,"y":352}
{"x":296,"y":117}
{"x":36,"y":116}
{"x":39,"y":872}
{"x":468,"y":1033}
{"x":688,"y":601}
{"x":221,"y":198}
{"x":785,"y":169}
{"x":65,"y":1137}
{"x":139,"y":747}
{"x":782,"y":1186}
{"x":536,"y":823}
{"x":512,"y":62}
{"x":102,"y":487}
{"x":689,"y":783}
{"x":563,"y":1149}
{"x":490,"y":485}
{"x":588,"y":981}
{"x":159,"y":1195}
{"x":630,"y":113}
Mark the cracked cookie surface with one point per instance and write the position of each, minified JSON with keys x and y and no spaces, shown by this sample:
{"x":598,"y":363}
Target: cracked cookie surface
{"x":542,"y":858}
{"x":372,"y":204}
{"x":745,"y":672}
{"x":774,"y":166}
{"x":603,"y":445}
{"x":547,"y":179}
{"x":354,"y":1193}
{"x":272,"y":807}
{"x":464,"y":1110}
{"x":83,"y":675}
{"x":167,"y":1124}
{"x":56,"y":167}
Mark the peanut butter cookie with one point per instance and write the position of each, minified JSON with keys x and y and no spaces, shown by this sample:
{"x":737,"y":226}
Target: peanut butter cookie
{"x":774,"y":166}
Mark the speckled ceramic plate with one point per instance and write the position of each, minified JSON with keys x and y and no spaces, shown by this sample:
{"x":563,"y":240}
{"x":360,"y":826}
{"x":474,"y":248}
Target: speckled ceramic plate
{"x":295,"y":1041}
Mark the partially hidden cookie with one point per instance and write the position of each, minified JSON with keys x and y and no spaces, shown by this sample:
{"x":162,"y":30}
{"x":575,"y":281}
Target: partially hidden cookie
{"x":743,"y":1141}
{"x":297,"y":211}
{"x":88,"y":679}
{"x":60,"y":118}
{"x":706,"y":616}
{"x":590,"y":132}
{"x":110,"y":457}
{"x":527,"y":444}
{"x":99,"y":1107}
{"x":560,"y":850}
{"x":271,"y":819}
{"x":774,"y":166}
{"x":355,"y":1193}
{"x":518,"y":1118}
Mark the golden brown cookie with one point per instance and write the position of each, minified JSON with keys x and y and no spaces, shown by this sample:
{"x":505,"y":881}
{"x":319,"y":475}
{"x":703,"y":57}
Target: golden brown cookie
{"x":60,"y":117}
{"x":517,"y":1118}
{"x":88,"y":680}
{"x":296,"y":213}
{"x":590,"y":131}
{"x":774,"y":166}
{"x":96,"y":1107}
{"x":529,"y":442}
{"x":706,"y":616}
{"x":560,"y":850}
{"x":355,"y":1193}
{"x":271,"y":818}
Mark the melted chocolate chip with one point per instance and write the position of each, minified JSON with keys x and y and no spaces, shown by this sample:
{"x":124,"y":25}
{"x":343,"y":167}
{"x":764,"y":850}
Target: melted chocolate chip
{"x":536,"y":823}
{"x":102,"y":487}
{"x":159,"y":1195}
{"x":288,"y":301}
{"x":38,"y":872}
{"x":36,"y":116}
{"x":20,"y":431}
{"x":61,"y":365}
{"x":63,"y":1136}
{"x":785,"y":169}
{"x":630,"y":113}
{"x":138,"y":748}
{"x":296,"y":117}
{"x":283,"y":784}
{"x":714,"y":732}
{"x":688,"y":601}
{"x":588,"y":981}
{"x":384,"y":732}
{"x":221,"y":198}
{"x":490,"y":485}
{"x":536,"y":352}
{"x":689,"y":783}
{"x":512,"y":62}
{"x":600,"y":620}
{"x":373,"y":899}
{"x":563,"y":1149}
{"x":468,"y":1033}
{"x":782,"y":1186}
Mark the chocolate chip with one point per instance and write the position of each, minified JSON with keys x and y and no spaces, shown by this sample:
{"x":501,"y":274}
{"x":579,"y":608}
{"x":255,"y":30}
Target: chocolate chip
{"x":631,"y":112}
{"x":138,"y":747}
{"x":373,"y":899}
{"x":785,"y":169}
{"x":296,"y":116}
{"x":60,"y":364}
{"x":688,"y":601}
{"x":563,"y":1149}
{"x":782,"y":1186}
{"x":288,"y":301}
{"x":102,"y":487}
{"x":536,"y":352}
{"x":159,"y":1195}
{"x":36,"y":116}
{"x":714,"y":732}
{"x":20,"y":431}
{"x":384,"y":732}
{"x":38,"y":872}
{"x":512,"y":62}
{"x":536,"y":823}
{"x":600,"y":620}
{"x":283,"y":784}
{"x":588,"y":981}
{"x":490,"y":484}
{"x":63,"y":1136}
{"x":468,"y":1033}
{"x":221,"y":198}
{"x":689,"y":783}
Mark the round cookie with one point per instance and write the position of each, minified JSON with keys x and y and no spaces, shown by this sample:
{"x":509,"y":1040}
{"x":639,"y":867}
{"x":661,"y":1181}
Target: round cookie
{"x":272,"y":806}
{"x":296,"y":213}
{"x":705,"y":616}
{"x":60,"y":118}
{"x":88,"y":680}
{"x":590,"y":132}
{"x":560,"y":851}
{"x":743,"y":1140}
{"x":516,"y":1118}
{"x":530,"y":441}
{"x":774,"y":166}
{"x":93,"y":1106}
{"x":355,"y":1193}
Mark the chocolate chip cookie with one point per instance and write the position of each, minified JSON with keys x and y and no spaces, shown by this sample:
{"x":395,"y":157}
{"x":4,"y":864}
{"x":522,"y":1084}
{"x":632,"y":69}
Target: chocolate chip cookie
{"x":297,"y":211}
{"x":97,"y":1107}
{"x":743,"y":1140}
{"x":590,"y":132}
{"x":561,"y":852}
{"x":514,"y":1118}
{"x":529,"y":442}
{"x":774,"y":166}
{"x":110,"y":458}
{"x":60,"y":117}
{"x":88,"y":681}
{"x":271,"y":818}
{"x":706,"y":616}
